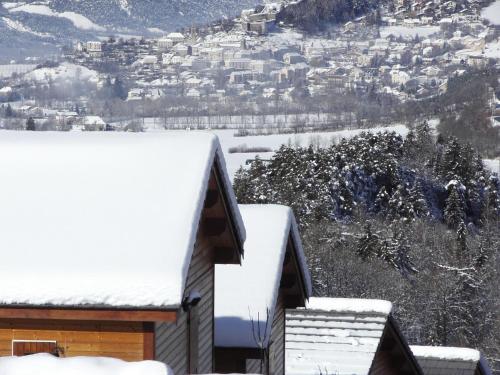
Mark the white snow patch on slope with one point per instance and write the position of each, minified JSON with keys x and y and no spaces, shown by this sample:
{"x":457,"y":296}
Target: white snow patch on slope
{"x":446,"y":353}
{"x":112,"y":218}
{"x":46,"y":364}
{"x":346,"y":305}
{"x":18,"y":26}
{"x":249,"y":291}
{"x":492,"y":49}
{"x":408,"y":31}
{"x":492,"y":13}
{"x":78,"y":20}
{"x":125,"y":6}
{"x":65,"y":71}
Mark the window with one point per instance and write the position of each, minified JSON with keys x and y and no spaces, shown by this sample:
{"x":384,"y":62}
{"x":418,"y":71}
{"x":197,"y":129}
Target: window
{"x":27,"y":347}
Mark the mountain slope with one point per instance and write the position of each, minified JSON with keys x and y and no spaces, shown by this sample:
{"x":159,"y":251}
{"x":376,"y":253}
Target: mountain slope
{"x":59,"y":22}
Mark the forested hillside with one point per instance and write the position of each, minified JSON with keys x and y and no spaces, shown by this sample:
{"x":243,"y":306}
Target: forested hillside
{"x":411,"y":220}
{"x":312,"y":15}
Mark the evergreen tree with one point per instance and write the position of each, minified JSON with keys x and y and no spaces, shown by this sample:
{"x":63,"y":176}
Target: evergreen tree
{"x":8,"y":111}
{"x":454,"y":212}
{"x":30,"y":124}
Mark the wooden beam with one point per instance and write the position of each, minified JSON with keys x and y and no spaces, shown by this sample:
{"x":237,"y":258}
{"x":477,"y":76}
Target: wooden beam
{"x":214,"y":227}
{"x":89,"y":314}
{"x":288,"y":258}
{"x":149,"y":341}
{"x":224,"y":255}
{"x":212,"y":198}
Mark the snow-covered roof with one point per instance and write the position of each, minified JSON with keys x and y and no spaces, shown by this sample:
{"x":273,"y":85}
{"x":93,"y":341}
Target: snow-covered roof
{"x":247,"y":292}
{"x":103,"y":218}
{"x":442,"y":360}
{"x":350,"y":305}
{"x":334,"y":336}
{"x":47,"y":364}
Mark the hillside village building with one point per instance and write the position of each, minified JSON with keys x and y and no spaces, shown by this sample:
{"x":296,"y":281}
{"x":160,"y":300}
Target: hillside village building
{"x":250,"y":300}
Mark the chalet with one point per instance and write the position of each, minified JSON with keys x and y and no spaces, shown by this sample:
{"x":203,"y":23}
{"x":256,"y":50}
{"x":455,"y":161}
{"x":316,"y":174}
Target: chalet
{"x":110,"y":242}
{"x":250,"y":300}
{"x":441,"y":360}
{"x":346,"y":336}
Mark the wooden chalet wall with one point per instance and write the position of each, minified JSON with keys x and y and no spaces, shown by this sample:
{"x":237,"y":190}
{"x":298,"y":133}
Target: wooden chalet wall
{"x":393,"y":356}
{"x":124,"y":340}
{"x":277,"y":347}
{"x":172,"y":339}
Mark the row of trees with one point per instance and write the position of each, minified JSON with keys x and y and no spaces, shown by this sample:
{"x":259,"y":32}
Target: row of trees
{"x":410,"y":220}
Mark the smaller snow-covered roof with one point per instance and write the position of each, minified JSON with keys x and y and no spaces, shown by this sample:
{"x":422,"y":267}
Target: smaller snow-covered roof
{"x":47,"y":364}
{"x":442,"y":360}
{"x":335,"y":336}
{"x":247,"y":292}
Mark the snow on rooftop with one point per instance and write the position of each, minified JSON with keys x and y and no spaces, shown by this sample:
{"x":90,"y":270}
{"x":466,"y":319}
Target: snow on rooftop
{"x":446,"y":353}
{"x":102,"y":218}
{"x":358,"y":306}
{"x":334,"y":336}
{"x":46,"y":364}
{"x":247,"y":292}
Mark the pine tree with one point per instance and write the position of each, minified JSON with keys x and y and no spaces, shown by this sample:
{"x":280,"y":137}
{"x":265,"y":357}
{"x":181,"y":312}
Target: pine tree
{"x":368,"y":243}
{"x":454,"y":212}
{"x":8,"y":111}
{"x":30,"y":124}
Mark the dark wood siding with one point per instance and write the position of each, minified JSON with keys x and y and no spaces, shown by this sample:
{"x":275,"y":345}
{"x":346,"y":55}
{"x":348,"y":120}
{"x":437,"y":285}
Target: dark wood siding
{"x":172,"y":339}
{"x":277,"y":347}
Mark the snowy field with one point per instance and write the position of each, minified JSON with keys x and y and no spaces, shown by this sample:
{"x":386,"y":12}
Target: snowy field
{"x":79,"y":21}
{"x":65,"y":71}
{"x":492,"y":13}
{"x":408,"y":32}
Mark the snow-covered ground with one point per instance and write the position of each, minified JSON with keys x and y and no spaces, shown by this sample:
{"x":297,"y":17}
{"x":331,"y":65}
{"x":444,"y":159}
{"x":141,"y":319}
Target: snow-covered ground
{"x":492,"y":164}
{"x":78,"y":20}
{"x":492,"y":13}
{"x":65,"y":71}
{"x":493,"y":49}
{"x":408,"y":31}
{"x":18,"y":26}
{"x":47,"y":364}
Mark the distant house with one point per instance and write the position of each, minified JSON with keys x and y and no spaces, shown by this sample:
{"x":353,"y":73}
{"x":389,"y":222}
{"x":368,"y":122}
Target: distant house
{"x":441,"y":360}
{"x":346,"y":336}
{"x":113,"y":253}
{"x":176,"y":37}
{"x":250,"y":300}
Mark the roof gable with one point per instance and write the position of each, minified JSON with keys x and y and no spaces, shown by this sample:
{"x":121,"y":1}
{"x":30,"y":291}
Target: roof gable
{"x":250,"y":291}
{"x":103,"y":218}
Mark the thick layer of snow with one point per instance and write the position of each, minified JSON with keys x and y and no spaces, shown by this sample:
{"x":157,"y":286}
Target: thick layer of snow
{"x":102,"y":219}
{"x":46,"y":364}
{"x":345,"y":305}
{"x":66,"y":72}
{"x":18,"y":26}
{"x":492,"y":164}
{"x":446,"y":353}
{"x":247,"y":292}
{"x":408,"y":31}
{"x":492,"y":13}
{"x":78,"y":20}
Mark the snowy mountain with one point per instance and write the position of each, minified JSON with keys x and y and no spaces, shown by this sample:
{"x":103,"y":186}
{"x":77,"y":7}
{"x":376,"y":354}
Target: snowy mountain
{"x":26,"y":25}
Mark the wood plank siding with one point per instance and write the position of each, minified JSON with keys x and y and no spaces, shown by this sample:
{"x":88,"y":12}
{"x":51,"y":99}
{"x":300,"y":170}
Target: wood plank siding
{"x":172,"y":338}
{"x":277,"y":345}
{"x":78,"y":338}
